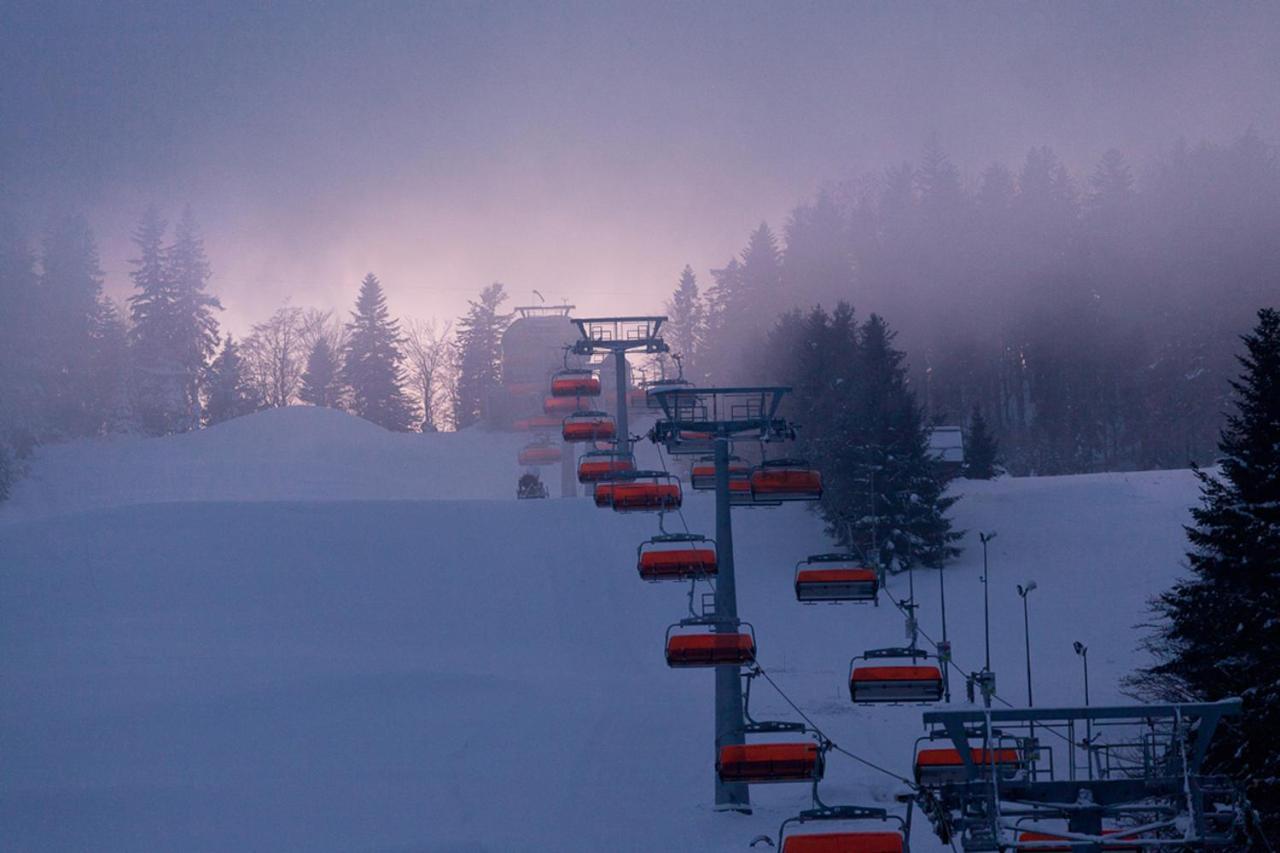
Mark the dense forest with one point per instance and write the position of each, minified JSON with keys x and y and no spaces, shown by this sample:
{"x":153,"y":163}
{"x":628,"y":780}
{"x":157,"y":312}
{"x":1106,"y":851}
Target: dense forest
{"x":1091,"y":319}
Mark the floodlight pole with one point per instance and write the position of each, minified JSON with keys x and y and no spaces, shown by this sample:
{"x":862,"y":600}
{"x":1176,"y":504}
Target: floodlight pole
{"x":729,"y":722}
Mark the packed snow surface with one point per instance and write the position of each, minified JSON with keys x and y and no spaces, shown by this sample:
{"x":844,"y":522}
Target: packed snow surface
{"x":297,"y":631}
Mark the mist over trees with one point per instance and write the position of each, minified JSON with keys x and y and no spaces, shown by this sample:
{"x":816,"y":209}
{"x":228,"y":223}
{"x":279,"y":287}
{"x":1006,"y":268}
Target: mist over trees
{"x":1091,"y":318}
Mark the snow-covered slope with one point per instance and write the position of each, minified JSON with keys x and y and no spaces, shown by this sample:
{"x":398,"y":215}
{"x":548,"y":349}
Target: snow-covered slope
{"x":272,"y":665}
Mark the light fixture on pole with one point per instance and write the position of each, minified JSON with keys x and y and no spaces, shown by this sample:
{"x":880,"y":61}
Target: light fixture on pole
{"x":986,"y":599}
{"x":1083,"y":651}
{"x":1023,"y":592}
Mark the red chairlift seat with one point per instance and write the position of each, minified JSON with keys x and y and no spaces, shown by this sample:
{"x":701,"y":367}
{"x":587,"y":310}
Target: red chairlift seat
{"x":598,"y":465}
{"x":537,"y":422}
{"x":676,"y":556}
{"x":539,"y":454}
{"x":834,"y":578}
{"x":562,"y":405}
{"x":603,"y":494}
{"x":520,"y":389}
{"x":702,"y":476}
{"x":587,"y":426}
{"x":1118,"y":846}
{"x":709,"y":648}
{"x":573,"y":382}
{"x":844,"y":842}
{"x":786,"y":480}
{"x":647,"y":492}
{"x":770,"y":762}
{"x":941,"y":766}
{"x":740,"y":494}
{"x":911,"y":683}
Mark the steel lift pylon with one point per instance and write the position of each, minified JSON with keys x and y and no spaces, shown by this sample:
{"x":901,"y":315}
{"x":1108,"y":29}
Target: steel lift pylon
{"x":719,"y":415}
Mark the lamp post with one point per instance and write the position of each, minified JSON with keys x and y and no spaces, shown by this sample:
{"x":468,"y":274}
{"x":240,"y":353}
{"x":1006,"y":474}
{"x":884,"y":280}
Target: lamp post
{"x":944,"y":648}
{"x":1083,"y":651}
{"x":986,"y":598}
{"x":1023,"y":592}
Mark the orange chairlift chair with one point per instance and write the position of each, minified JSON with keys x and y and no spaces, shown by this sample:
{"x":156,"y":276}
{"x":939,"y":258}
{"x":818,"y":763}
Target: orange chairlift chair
{"x":595,"y":466}
{"x":944,"y":765}
{"x":710,"y":643}
{"x":588,"y":426}
{"x":539,"y":453}
{"x":835,"y":578}
{"x":786,"y":480}
{"x":676,"y":557}
{"x":893,"y":840}
{"x":575,"y":382}
{"x":702,"y":476}
{"x":879,"y":683}
{"x":646,"y":491}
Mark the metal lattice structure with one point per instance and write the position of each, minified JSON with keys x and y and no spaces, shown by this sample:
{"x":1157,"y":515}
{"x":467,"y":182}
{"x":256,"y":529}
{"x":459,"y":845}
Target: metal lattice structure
{"x":1085,"y":778}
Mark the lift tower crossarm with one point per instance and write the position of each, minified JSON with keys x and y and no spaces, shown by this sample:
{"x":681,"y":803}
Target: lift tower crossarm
{"x":619,"y":336}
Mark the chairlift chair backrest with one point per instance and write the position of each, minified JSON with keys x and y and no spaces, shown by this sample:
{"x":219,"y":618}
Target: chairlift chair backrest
{"x":844,"y":842}
{"x":588,"y":426}
{"x":539,"y":453}
{"x":575,"y":382}
{"x":702,"y":475}
{"x":676,"y":556}
{"x":597,"y":465}
{"x":875,"y":683}
{"x":786,"y":480}
{"x":835,"y":578}
{"x":562,"y":405}
{"x":944,"y":765}
{"x":698,"y":643}
{"x":757,"y":763}
{"x":647,"y":491}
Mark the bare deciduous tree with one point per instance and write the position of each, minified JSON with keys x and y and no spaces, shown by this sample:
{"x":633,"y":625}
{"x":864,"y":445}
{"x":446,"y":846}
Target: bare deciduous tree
{"x":275,"y":355}
{"x":430,"y":352}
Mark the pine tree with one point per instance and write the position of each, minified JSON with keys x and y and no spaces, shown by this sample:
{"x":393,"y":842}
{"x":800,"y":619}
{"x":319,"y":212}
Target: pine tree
{"x":157,"y":383}
{"x":761,"y":281}
{"x":1220,"y":635}
{"x":818,"y":260}
{"x":196,"y":329}
{"x":479,"y":354}
{"x":110,"y":374}
{"x":320,"y":380}
{"x":981,"y":449}
{"x":70,"y":302}
{"x":230,"y":394}
{"x":902,"y":508}
{"x":372,"y":361}
{"x":21,"y":392}
{"x":174,"y":331}
{"x":8,"y":471}
{"x":684,"y":328}
{"x":724,"y":310}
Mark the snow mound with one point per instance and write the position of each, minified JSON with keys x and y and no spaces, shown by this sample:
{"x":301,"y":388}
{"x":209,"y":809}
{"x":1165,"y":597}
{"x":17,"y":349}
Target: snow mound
{"x":300,"y":453}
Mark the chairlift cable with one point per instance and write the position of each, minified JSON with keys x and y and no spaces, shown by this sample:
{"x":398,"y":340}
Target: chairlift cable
{"x":831,"y":743}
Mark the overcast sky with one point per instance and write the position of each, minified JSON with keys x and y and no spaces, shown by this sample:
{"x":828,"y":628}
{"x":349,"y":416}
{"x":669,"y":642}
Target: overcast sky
{"x":587,"y":150}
